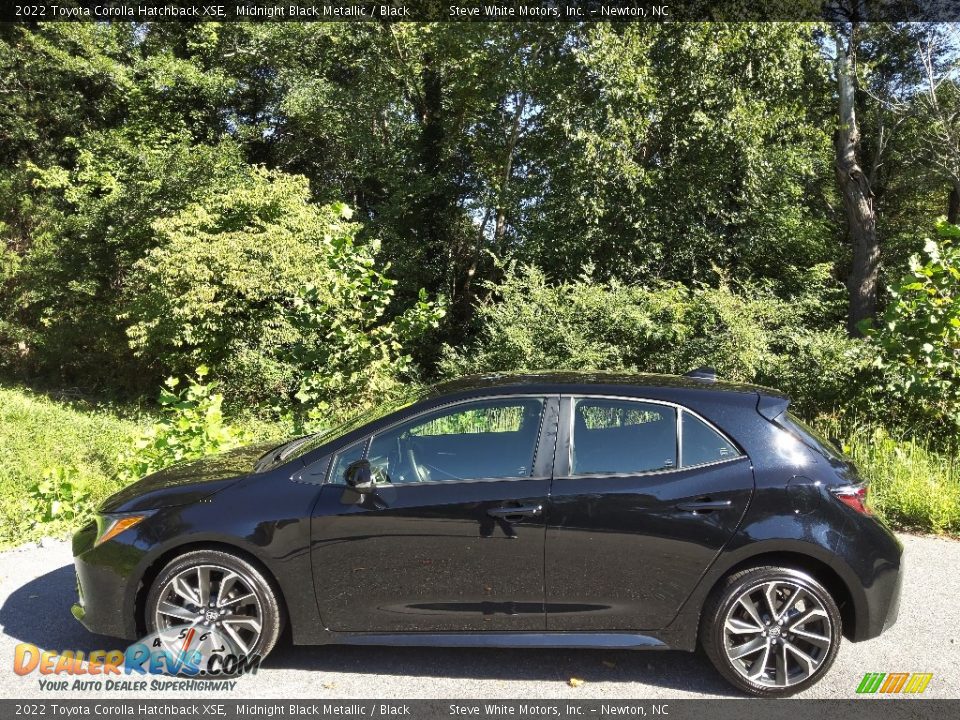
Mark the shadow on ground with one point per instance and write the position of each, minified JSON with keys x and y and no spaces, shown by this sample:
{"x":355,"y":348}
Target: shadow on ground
{"x":39,"y":613}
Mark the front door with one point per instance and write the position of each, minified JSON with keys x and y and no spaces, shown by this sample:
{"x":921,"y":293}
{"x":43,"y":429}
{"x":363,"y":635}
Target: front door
{"x":452,"y":539}
{"x":645,"y":497}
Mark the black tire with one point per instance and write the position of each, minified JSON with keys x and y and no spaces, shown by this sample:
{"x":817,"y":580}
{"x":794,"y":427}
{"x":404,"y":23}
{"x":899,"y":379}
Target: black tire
{"x":263,"y":587}
{"x":724,"y":604}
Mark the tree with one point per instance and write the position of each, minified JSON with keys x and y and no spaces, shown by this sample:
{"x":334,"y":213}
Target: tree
{"x":855,"y":188}
{"x":939,"y":111}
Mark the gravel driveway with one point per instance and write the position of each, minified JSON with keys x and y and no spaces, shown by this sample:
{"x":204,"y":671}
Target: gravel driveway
{"x":37,"y":588}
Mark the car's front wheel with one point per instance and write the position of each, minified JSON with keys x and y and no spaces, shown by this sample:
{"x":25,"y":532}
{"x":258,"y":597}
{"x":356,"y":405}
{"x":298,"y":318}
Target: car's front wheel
{"x":220,"y":596}
{"x":771,"y":631}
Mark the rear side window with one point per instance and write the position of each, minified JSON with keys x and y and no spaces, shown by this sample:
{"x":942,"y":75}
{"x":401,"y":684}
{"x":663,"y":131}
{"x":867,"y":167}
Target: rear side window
{"x":701,"y":444}
{"x":622,"y":436}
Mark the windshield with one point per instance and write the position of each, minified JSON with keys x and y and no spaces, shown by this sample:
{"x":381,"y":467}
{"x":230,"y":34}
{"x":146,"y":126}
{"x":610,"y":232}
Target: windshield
{"x":810,"y":437}
{"x":302,"y":446}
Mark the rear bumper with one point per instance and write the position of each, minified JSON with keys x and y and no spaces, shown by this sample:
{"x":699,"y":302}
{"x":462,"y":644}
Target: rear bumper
{"x":893,"y":608}
{"x":879,"y":562}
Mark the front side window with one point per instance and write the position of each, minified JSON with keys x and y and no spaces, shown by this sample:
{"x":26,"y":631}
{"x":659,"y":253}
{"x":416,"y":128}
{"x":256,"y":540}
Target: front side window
{"x":701,"y":444}
{"x":343,"y":460}
{"x":622,"y":436}
{"x":479,"y":440}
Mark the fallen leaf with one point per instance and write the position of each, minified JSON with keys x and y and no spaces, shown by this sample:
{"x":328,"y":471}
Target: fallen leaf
{"x":574,"y":682}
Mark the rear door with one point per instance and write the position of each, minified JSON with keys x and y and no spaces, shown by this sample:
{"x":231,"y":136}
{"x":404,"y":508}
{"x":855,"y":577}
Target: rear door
{"x":453,"y":537}
{"x":644,"y":497}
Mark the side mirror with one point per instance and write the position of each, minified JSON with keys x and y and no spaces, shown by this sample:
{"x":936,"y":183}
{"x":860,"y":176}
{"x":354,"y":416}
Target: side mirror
{"x":358,"y":476}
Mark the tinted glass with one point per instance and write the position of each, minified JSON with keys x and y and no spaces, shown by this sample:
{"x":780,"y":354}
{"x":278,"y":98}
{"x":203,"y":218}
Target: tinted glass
{"x":343,"y":460}
{"x":810,"y":436}
{"x":487,"y":439}
{"x":312,"y":442}
{"x":702,"y":444}
{"x":620,"y":436}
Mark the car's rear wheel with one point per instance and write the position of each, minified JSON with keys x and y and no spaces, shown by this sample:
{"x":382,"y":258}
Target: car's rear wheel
{"x":219,"y":594}
{"x":771,"y":631}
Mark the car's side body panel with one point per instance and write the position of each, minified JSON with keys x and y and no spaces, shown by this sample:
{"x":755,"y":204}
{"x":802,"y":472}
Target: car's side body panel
{"x":649,"y":566}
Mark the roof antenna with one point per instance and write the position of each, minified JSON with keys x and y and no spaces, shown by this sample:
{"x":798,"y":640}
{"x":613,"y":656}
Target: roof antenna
{"x":708,"y":374}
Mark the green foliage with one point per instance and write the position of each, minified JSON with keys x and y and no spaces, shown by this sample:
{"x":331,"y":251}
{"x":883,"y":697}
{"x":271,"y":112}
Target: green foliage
{"x":191,"y":426}
{"x":912,"y":485}
{"x":682,"y":146}
{"x":746,"y":333}
{"x":67,"y":294}
{"x":349,"y":356}
{"x":76,"y":449}
{"x":38,"y":434}
{"x":919,"y":333}
{"x":61,"y":496}
{"x":263,"y":286}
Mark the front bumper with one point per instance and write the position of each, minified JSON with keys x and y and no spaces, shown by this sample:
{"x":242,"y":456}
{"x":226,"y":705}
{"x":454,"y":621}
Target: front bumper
{"x":105,"y":603}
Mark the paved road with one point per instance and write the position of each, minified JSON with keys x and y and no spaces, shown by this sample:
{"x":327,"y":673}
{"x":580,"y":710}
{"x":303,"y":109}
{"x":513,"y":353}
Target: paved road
{"x":37,"y":588}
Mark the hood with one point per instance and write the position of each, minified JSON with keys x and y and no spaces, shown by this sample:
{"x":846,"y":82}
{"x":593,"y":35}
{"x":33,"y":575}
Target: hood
{"x":187,"y":482}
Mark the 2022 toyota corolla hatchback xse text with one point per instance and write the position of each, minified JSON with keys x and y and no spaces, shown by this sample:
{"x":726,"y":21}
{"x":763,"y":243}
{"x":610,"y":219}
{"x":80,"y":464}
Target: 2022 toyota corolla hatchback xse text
{"x":542,"y":510}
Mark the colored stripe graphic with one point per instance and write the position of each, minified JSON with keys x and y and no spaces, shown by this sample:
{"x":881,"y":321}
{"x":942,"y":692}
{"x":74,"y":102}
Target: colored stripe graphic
{"x":870,"y":682}
{"x":918,"y":682}
{"x":894,"y":683}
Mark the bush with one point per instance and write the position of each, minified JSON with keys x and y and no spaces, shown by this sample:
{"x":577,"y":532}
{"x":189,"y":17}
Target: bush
{"x":60,"y":496}
{"x":748,"y":334}
{"x":266,"y":289}
{"x":919,"y":337}
{"x":62,"y":298}
{"x":191,"y":426}
{"x":353,"y":357}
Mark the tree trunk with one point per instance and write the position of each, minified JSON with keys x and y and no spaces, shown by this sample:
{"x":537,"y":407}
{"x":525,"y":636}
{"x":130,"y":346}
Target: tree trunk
{"x":857,"y":197}
{"x":953,"y":203}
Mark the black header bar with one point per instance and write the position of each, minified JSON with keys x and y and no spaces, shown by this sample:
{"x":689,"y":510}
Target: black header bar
{"x":474,"y":11}
{"x":211,"y":707}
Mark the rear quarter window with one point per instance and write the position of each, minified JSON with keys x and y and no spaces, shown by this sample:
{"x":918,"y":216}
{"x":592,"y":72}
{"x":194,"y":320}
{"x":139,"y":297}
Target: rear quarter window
{"x":701,"y":444}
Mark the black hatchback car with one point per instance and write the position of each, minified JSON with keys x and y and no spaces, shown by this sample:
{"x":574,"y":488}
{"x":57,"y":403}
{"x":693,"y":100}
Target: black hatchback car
{"x":541,"y":510}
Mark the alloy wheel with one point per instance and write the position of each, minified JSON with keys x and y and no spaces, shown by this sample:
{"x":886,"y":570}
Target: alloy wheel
{"x":215,"y":598}
{"x":777,"y":634}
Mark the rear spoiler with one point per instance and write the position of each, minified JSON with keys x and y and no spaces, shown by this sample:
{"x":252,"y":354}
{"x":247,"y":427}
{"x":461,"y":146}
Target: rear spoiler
{"x":772,"y":406}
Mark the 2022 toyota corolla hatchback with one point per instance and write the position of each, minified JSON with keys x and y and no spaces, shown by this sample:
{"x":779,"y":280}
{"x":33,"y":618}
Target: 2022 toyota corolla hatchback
{"x":542,"y":510}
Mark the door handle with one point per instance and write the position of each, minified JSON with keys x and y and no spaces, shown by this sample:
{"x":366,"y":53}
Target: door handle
{"x":705,"y":505}
{"x":521,"y":511}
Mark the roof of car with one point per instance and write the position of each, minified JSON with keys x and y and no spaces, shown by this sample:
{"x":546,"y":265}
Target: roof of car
{"x":566,"y":378}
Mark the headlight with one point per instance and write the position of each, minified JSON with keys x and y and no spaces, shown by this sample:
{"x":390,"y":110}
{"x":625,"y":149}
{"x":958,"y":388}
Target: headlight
{"x":109,"y":526}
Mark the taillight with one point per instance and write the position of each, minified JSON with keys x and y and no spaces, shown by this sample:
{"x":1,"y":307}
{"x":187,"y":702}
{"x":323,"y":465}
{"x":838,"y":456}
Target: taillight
{"x":853,"y":496}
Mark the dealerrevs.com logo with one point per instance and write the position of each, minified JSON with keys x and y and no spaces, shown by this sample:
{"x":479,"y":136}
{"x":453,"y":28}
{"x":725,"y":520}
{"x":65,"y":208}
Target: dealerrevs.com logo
{"x":201,"y":659}
{"x":914,"y":683}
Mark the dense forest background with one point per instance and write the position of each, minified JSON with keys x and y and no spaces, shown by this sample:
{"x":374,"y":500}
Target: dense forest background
{"x":319,"y":215}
